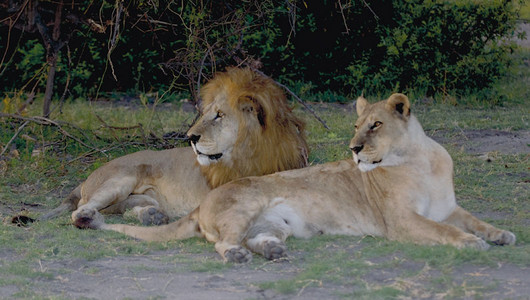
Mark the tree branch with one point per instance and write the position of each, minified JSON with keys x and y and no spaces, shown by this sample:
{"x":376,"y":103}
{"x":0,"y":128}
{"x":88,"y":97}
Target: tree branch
{"x":48,"y":122}
{"x":14,"y":137}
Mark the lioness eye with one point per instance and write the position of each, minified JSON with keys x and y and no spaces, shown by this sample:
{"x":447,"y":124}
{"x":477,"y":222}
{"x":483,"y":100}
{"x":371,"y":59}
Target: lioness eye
{"x":376,"y":124}
{"x":218,"y":115}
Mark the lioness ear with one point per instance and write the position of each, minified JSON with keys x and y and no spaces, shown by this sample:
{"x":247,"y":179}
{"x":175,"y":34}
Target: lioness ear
{"x":361,"y":104}
{"x":248,"y":104}
{"x":399,"y":103}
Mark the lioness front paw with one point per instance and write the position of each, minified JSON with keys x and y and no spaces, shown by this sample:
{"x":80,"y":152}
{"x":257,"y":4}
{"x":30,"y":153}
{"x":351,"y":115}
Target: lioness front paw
{"x":274,"y":250}
{"x":238,"y":255}
{"x":84,"y":218}
{"x":475,"y":242}
{"x":504,"y":238}
{"x":153,"y":216}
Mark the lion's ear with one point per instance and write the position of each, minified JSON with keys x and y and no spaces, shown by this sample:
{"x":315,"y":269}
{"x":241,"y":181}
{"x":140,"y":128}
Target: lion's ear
{"x":250,"y":105}
{"x":399,"y":103}
{"x":360,"y":105}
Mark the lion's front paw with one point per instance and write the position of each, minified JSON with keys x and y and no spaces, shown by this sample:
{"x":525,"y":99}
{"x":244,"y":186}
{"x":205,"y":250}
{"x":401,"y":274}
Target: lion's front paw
{"x":274,"y":250}
{"x":504,"y":238}
{"x":238,"y":255}
{"x":85,"y":218}
{"x":475,"y":242}
{"x":153,"y":216}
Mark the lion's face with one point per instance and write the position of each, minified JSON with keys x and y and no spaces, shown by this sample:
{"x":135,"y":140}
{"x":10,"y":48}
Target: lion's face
{"x":229,"y":111}
{"x":378,"y":132}
{"x":217,"y":132}
{"x":246,"y":128}
{"x":214,"y":135}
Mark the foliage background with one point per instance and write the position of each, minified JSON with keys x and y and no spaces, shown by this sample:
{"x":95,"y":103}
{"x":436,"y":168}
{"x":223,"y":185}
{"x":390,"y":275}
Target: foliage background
{"x":346,"y":47}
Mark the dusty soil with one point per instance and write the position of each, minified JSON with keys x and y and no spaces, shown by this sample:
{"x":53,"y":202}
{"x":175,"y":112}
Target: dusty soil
{"x":147,"y":276}
{"x":486,"y":140}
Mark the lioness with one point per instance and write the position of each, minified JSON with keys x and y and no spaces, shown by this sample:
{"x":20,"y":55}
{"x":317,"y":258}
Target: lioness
{"x":399,"y":185}
{"x":246,"y":128}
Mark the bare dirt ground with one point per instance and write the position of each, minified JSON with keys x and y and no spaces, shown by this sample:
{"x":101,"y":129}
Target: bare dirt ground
{"x":487,"y":140}
{"x":148,"y":276}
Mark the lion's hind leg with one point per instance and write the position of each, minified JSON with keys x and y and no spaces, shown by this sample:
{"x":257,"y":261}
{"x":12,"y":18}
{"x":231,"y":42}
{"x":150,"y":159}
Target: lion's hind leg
{"x":227,"y":229}
{"x":267,"y":237}
{"x":113,"y":191}
{"x":228,"y":243}
{"x":142,"y":206}
{"x":467,"y":222}
{"x":267,"y":245}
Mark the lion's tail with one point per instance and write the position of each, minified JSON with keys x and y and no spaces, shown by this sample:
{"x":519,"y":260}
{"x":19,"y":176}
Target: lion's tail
{"x":185,"y":227}
{"x":69,"y":204}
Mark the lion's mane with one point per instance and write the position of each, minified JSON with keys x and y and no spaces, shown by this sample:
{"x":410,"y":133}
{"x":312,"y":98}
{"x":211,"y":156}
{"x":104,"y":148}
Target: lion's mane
{"x":280,"y":136}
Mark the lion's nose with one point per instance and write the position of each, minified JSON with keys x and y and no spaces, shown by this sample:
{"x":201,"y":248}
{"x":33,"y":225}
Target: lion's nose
{"x":357,"y":149}
{"x":194,"y":138}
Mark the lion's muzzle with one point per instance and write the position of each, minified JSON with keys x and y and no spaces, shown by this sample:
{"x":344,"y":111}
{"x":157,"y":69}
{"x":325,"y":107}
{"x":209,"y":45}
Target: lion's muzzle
{"x":194,"y":138}
{"x":357,"y":149}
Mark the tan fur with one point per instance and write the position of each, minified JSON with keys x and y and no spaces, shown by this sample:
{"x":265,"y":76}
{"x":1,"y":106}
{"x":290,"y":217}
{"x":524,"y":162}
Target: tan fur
{"x":255,"y":134}
{"x":405,"y":193}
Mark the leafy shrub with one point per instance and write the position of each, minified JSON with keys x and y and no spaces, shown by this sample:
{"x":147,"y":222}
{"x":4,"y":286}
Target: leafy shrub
{"x":434,"y":46}
{"x":374,"y":46}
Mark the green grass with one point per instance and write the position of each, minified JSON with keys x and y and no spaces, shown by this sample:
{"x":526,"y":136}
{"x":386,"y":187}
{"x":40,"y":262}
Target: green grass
{"x":499,"y":188}
{"x":524,"y":13}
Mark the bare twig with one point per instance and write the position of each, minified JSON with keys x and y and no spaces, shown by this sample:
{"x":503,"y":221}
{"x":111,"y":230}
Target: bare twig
{"x":48,"y":122}
{"x":67,"y":84}
{"x":115,"y":35}
{"x":305,"y":105}
{"x":14,"y":137}
{"x":29,"y":101}
{"x":104,"y":124}
{"x":291,"y":7}
{"x":343,"y":16}
{"x":366,"y":4}
{"x":199,"y":76}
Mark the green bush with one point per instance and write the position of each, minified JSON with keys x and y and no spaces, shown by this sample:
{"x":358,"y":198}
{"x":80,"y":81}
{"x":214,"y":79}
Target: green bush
{"x":373,"y":46}
{"x":432,"y":46}
{"x":441,"y":46}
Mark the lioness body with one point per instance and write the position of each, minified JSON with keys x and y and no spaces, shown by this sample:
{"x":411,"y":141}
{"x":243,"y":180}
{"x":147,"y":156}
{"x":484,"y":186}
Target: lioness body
{"x":245,"y":129}
{"x":399,"y":185}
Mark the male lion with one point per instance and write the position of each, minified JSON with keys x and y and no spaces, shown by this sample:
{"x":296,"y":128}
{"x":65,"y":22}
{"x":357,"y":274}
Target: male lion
{"x":399,"y":185}
{"x":246,"y":128}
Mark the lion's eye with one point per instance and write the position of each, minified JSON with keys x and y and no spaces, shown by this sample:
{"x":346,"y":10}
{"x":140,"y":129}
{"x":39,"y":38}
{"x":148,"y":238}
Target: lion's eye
{"x":219,"y":115}
{"x":356,"y":127}
{"x":376,"y":125}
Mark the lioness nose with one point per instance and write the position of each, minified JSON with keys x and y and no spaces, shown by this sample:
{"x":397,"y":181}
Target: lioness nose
{"x":357,"y":149}
{"x":194,"y":138}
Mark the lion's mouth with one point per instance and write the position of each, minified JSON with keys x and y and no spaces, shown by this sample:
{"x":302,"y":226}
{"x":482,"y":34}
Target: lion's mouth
{"x":373,"y":162}
{"x":211,"y":156}
{"x":216,"y":156}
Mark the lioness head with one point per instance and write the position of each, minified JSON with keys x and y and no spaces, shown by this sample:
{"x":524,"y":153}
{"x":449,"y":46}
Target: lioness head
{"x":379,"y":131}
{"x":246,"y":128}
